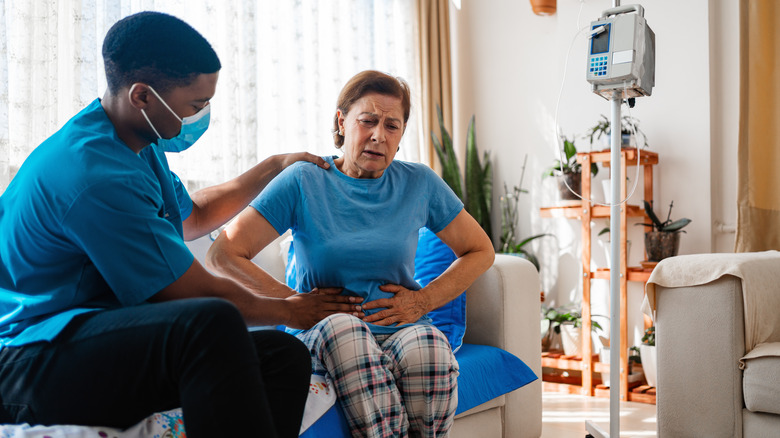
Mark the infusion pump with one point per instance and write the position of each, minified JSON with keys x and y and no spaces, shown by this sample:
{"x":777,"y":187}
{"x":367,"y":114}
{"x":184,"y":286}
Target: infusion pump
{"x":621,"y":53}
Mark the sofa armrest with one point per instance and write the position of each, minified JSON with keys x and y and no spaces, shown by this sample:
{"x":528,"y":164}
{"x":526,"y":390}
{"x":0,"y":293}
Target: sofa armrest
{"x":700,"y":337}
{"x":503,"y":309}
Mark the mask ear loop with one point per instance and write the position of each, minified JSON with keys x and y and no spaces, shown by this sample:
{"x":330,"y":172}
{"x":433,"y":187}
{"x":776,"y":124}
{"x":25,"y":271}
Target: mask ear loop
{"x":130,"y":93}
{"x":163,"y":102}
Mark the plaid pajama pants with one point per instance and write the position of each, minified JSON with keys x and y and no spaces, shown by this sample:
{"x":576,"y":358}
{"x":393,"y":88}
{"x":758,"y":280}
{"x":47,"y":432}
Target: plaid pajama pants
{"x":390,"y":385}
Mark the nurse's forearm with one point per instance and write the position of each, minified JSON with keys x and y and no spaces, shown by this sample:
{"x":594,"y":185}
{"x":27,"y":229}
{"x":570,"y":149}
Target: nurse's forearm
{"x":248,"y":274}
{"x":214,"y":206}
{"x":297,"y":311}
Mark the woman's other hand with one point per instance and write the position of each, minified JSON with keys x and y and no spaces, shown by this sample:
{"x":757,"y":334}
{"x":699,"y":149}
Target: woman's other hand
{"x":307,"y":309}
{"x":404,"y":307}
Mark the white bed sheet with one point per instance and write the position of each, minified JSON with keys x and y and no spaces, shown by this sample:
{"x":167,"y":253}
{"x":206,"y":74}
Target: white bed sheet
{"x":165,"y":424}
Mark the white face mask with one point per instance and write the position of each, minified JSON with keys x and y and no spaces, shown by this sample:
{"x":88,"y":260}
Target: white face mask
{"x":192,"y":127}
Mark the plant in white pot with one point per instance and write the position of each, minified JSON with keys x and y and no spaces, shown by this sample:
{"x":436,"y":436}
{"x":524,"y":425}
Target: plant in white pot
{"x":568,"y":324}
{"x":629,"y":127}
{"x":569,"y":171}
{"x":664,"y":239}
{"x":647,"y":353}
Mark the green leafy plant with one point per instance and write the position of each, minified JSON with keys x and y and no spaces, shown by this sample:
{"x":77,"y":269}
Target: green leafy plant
{"x":479,"y":174}
{"x":571,"y":165}
{"x":628,"y":125}
{"x":634,"y":356}
{"x":559,"y":316}
{"x":521,"y":251}
{"x":509,"y":215}
{"x":649,"y":337}
{"x":667,"y":225}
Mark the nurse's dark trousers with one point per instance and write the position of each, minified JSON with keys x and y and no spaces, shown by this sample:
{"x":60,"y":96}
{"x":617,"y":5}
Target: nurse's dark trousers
{"x":115,"y":367}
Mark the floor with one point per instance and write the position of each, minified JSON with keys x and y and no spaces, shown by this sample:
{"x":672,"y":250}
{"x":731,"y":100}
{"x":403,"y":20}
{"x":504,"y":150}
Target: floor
{"x":564,"y":416}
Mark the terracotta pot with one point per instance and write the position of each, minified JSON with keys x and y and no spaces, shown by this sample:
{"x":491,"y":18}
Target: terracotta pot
{"x":543,"y":7}
{"x":661,"y":244}
{"x":575,"y":182}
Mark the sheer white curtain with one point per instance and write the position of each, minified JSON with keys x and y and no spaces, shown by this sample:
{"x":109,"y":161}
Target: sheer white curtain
{"x":284,"y":63}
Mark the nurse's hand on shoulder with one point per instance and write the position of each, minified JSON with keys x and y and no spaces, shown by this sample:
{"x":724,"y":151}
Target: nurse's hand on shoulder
{"x":288,"y":159}
{"x":311,"y":308}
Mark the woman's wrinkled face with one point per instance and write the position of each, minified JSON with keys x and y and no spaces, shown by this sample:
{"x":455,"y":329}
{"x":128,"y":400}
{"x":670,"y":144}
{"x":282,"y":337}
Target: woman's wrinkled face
{"x":372,"y":130}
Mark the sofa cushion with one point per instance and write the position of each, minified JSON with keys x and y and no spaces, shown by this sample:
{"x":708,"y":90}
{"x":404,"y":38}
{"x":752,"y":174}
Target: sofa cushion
{"x":487,"y":372}
{"x":434,"y":257}
{"x":761,"y":378}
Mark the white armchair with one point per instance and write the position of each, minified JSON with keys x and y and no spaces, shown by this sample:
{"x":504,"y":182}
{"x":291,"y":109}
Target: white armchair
{"x":717,"y":337}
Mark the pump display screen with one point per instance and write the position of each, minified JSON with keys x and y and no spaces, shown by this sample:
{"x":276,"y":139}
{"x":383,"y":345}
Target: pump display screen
{"x":600,"y":42}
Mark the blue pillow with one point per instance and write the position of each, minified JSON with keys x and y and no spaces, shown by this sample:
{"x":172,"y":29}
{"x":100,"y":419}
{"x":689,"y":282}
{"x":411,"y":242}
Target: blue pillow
{"x":432,"y":258}
{"x":487,"y":372}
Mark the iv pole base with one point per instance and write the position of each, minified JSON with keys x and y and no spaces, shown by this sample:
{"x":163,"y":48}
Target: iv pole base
{"x":594,"y":431}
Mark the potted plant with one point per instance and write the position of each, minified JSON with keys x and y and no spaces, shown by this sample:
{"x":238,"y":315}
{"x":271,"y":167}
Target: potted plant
{"x":509,"y":213}
{"x":648,"y":355}
{"x":569,"y":171}
{"x":479,"y":175}
{"x":568,"y":324}
{"x":664,"y":238}
{"x":628,"y":126}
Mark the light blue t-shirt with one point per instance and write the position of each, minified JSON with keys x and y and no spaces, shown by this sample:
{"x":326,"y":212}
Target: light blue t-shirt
{"x":86,"y":224}
{"x":357,"y":233}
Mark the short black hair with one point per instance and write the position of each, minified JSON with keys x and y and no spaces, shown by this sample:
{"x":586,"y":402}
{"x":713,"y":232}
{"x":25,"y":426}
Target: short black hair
{"x":157,"y":49}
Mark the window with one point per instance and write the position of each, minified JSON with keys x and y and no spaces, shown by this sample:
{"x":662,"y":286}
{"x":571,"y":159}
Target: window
{"x":284,"y":63}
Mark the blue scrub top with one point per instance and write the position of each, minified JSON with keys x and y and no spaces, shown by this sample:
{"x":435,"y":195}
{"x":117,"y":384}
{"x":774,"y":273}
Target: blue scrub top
{"x":86,"y":224}
{"x":353,"y":233}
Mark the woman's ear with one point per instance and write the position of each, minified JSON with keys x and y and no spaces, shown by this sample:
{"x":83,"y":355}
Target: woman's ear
{"x":340,"y":117}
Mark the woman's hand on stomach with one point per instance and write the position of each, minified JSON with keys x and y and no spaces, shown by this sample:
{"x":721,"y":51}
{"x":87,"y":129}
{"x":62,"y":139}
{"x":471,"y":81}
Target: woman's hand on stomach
{"x":406,"y":306}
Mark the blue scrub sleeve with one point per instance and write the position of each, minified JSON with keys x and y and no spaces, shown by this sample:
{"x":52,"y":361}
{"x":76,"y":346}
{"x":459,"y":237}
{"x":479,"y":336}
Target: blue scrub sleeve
{"x":183,"y":196}
{"x":136,"y":251}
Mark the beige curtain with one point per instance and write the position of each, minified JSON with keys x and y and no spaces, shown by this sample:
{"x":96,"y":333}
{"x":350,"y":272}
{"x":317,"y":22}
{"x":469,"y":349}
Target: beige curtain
{"x":758,"y":196}
{"x":435,"y":72}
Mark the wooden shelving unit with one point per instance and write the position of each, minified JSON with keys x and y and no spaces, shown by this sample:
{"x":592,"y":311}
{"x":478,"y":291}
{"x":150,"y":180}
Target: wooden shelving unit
{"x":584,"y":211}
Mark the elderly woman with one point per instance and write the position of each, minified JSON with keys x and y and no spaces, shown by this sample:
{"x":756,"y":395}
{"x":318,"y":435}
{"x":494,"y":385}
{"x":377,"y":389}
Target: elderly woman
{"x":355,"y":228}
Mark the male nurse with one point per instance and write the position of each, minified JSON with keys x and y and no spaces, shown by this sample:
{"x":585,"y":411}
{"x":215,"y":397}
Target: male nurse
{"x":105,"y":315}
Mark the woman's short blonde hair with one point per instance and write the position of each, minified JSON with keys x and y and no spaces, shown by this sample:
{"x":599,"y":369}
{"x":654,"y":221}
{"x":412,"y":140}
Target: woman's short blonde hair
{"x":365,"y":82}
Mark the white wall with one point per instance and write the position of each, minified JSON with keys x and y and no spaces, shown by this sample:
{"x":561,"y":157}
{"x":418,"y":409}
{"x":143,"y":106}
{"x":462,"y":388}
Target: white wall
{"x":509,"y":66}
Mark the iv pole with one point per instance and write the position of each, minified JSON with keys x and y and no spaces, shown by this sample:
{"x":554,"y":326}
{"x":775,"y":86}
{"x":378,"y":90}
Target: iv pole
{"x":614,"y":277}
